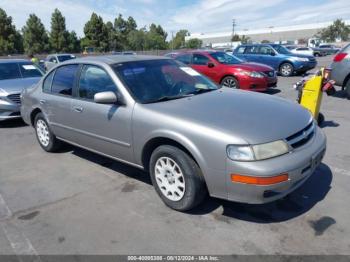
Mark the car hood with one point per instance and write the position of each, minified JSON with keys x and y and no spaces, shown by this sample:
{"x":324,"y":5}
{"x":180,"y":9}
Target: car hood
{"x":244,"y":116}
{"x":17,"y":85}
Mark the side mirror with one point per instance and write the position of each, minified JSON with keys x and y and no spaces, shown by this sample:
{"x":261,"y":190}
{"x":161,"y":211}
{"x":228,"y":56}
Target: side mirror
{"x":211,"y":65}
{"x":108,"y":97}
{"x":54,"y":61}
{"x":272,"y":54}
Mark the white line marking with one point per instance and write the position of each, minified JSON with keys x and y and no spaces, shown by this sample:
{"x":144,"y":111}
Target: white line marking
{"x":20,"y":243}
{"x":340,"y":171}
{"x":5,"y":212}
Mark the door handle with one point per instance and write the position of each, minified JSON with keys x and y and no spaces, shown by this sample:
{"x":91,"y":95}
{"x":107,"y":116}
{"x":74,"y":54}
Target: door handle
{"x":78,"y":109}
{"x":42,"y":102}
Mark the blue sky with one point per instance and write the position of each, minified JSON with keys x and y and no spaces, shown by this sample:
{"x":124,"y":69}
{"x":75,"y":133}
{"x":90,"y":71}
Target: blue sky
{"x":194,"y":15}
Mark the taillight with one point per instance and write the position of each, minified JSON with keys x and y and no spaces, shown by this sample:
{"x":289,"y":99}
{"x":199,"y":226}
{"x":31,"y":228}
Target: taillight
{"x":339,"y":57}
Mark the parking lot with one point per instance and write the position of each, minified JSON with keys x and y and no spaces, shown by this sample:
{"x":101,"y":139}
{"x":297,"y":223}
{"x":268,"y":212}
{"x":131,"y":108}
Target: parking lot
{"x":77,"y":202}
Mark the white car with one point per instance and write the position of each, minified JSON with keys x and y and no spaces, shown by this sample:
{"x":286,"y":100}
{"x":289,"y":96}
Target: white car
{"x":303,"y":51}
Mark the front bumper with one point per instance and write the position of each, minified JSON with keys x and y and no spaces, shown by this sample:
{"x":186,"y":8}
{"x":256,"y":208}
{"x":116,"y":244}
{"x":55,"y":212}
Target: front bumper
{"x":9,"y":109}
{"x":258,"y":84}
{"x":300,"y":165}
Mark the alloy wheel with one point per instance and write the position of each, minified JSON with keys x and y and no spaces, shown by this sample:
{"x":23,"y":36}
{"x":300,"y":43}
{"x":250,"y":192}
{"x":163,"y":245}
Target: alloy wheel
{"x":43,"y":133}
{"x":170,"y":179}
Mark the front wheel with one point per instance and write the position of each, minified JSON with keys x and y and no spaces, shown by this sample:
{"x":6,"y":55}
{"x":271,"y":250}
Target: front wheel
{"x":286,"y":69}
{"x":177,"y":178}
{"x":230,"y":82}
{"x":347,"y":89}
{"x":46,"y":138}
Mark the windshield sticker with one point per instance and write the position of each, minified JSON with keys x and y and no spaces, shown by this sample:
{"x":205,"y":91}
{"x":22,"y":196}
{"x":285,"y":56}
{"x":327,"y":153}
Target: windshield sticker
{"x":29,"y":67}
{"x":190,"y":71}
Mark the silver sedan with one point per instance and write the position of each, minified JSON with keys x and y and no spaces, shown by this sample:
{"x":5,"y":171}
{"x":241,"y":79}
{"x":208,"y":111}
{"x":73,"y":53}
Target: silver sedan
{"x":164,"y":117}
{"x":15,"y":75}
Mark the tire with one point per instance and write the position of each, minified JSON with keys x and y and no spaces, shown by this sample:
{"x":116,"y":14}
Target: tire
{"x":169,"y":166}
{"x":286,"y":69}
{"x":47,"y":140}
{"x":320,"y":119}
{"x":347,"y":89}
{"x":230,"y":82}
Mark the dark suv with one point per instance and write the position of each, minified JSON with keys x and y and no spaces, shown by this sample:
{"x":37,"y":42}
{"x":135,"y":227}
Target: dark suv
{"x":276,"y":56}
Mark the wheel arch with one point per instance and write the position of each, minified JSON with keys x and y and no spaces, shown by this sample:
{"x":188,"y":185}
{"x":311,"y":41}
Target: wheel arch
{"x":226,"y":75}
{"x":155,"y":142}
{"x":33,"y":114}
{"x":346,"y":79}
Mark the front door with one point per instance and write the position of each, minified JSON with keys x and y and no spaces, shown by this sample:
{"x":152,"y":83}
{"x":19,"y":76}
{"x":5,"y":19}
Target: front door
{"x":105,"y":128}
{"x":201,"y":62}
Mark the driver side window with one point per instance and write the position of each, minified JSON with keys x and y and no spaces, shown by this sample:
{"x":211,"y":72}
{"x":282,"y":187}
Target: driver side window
{"x":94,"y":79}
{"x":200,"y":59}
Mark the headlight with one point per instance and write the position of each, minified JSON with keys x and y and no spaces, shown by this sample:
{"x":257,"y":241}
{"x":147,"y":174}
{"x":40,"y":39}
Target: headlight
{"x":240,"y":153}
{"x":302,"y":59}
{"x":252,"y":74}
{"x":256,"y":75}
{"x":257,"y":152}
{"x":269,"y":150}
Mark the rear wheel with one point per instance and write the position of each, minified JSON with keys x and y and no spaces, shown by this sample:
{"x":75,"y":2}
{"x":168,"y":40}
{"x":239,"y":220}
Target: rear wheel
{"x":46,"y":138}
{"x":347,"y":89}
{"x":286,"y":69}
{"x":320,"y":119}
{"x":177,"y":178}
{"x":230,"y":82}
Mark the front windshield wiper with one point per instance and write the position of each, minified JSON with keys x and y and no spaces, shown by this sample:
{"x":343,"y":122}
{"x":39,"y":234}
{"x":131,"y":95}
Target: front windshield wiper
{"x":167,"y":98}
{"x":201,"y":91}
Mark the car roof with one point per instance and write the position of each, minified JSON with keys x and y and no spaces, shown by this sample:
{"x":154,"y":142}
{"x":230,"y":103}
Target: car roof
{"x":112,"y":59}
{"x":3,"y":61}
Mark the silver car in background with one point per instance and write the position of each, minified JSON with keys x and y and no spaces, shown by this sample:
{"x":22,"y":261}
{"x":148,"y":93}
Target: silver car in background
{"x":341,"y":69}
{"x":54,"y":59}
{"x":159,"y":115}
{"x":15,"y":75}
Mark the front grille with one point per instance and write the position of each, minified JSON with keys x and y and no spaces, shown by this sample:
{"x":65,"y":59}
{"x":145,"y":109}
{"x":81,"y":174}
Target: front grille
{"x":301,"y":137}
{"x":269,"y":73}
{"x":16,"y":98}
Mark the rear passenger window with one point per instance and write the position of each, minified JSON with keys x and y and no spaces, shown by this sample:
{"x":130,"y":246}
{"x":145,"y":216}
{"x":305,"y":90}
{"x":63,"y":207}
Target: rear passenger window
{"x":240,"y":50}
{"x":93,"y":80}
{"x":252,"y":50}
{"x":48,"y":82}
{"x":63,"y":81}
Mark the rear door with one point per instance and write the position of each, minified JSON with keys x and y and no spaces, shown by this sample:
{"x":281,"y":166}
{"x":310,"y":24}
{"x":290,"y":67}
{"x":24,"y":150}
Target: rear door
{"x":57,"y":101}
{"x":251,"y":54}
{"x":105,"y":128}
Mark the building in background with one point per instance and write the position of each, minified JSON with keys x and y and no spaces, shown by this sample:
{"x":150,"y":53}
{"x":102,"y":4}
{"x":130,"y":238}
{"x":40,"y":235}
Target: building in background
{"x":283,"y":34}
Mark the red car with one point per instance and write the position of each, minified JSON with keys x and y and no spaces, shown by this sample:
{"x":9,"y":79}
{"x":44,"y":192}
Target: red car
{"x":229,"y":71}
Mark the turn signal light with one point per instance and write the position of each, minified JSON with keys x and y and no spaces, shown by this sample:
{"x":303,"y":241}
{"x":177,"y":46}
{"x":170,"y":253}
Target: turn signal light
{"x":262,"y":181}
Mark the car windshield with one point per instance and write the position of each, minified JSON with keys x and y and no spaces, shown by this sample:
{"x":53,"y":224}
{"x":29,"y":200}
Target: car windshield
{"x":18,"y":70}
{"x":224,"y":58}
{"x":281,"y":50}
{"x":161,"y":79}
{"x":63,"y":58}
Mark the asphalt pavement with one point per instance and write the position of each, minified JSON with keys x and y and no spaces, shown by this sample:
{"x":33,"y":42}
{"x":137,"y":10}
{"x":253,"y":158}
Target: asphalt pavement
{"x":77,"y":202}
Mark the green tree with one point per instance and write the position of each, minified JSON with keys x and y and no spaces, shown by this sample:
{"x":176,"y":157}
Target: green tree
{"x":73,"y":43}
{"x":10,"y":38}
{"x":96,"y":34}
{"x":265,"y":41}
{"x":194,"y":43}
{"x":35,"y":39}
{"x":58,"y":35}
{"x":337,"y":30}
{"x":124,"y":27}
{"x":156,"y":38}
{"x":137,"y":39}
{"x":244,"y":39}
{"x":179,"y":39}
{"x":111,"y":36}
